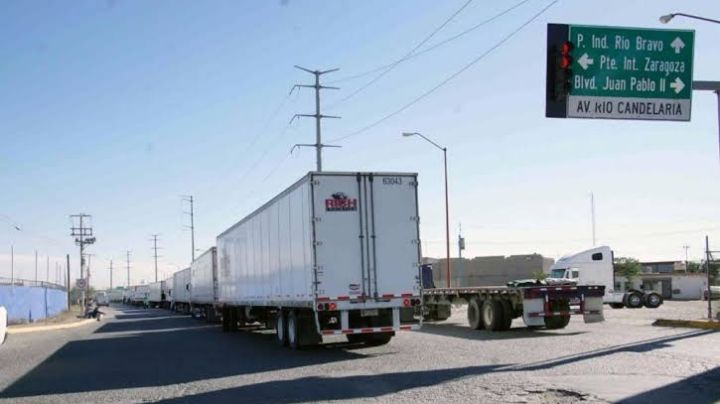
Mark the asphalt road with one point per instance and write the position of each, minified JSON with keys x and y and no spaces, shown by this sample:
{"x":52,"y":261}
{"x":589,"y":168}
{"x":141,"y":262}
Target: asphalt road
{"x":138,"y":355}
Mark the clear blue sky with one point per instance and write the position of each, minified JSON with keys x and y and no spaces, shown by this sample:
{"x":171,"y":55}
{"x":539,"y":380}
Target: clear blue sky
{"x":116,"y":108}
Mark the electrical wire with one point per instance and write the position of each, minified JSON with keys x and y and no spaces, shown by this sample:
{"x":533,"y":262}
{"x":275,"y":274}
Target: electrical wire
{"x":390,"y":67}
{"x":446,"y":80}
{"x":433,"y":47}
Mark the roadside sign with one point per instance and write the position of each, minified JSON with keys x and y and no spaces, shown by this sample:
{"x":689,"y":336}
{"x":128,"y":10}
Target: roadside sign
{"x":81,"y":283}
{"x":619,"y":73}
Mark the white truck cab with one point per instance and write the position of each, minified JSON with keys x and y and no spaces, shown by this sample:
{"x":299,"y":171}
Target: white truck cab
{"x":595,"y":267}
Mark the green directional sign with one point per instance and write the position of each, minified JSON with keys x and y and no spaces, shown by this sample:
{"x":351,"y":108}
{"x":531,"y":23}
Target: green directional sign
{"x":619,"y":73}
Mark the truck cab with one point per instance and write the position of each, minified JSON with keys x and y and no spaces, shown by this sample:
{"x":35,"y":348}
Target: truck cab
{"x":595,"y":267}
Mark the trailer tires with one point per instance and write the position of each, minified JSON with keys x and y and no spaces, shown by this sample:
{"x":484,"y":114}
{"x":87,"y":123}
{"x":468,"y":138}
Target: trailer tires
{"x":474,"y":314}
{"x":653,"y":300}
{"x":293,"y":330}
{"x":634,"y":300}
{"x":281,"y":333}
{"x":556,"y":322}
{"x":507,"y":315}
{"x":492,"y":315}
{"x":225,"y":320}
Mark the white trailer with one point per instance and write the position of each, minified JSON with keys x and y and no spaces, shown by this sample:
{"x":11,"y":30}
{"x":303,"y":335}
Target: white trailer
{"x":155,"y":294}
{"x":138,"y":294}
{"x":334,"y":254}
{"x":204,"y":284}
{"x":167,"y":291}
{"x":595,"y":267}
{"x":181,"y":291}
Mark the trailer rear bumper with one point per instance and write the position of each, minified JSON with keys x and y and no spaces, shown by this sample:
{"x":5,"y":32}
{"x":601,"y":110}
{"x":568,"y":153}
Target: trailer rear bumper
{"x":371,"y":330}
{"x":541,"y":302}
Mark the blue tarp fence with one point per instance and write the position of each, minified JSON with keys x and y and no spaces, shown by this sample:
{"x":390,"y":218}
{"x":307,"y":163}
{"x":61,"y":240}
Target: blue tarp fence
{"x":27,"y":303}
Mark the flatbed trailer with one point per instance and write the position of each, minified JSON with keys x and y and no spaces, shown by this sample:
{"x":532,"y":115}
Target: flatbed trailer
{"x":493,"y":308}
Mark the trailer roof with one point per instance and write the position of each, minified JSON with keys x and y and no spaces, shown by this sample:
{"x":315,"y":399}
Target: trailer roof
{"x":305,"y":178}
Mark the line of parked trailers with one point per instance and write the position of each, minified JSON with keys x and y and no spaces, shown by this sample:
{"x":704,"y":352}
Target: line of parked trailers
{"x":339,"y":254}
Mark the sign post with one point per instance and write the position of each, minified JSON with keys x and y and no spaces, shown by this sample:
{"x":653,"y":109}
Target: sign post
{"x":619,"y":73}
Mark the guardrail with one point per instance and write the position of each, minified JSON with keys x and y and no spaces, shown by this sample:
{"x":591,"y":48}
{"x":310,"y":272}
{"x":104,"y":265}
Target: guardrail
{"x":27,"y":282}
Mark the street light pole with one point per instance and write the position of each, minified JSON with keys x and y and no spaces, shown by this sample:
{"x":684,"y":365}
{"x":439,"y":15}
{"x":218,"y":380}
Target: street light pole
{"x":447,"y":204}
{"x":713,"y":86}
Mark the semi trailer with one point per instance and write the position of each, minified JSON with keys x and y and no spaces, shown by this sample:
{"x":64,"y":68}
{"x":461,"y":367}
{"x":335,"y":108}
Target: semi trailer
{"x":337,"y":253}
{"x":181,"y":291}
{"x":204,"y":284}
{"x":156,"y":295}
{"x":493,"y":308}
{"x":595,"y":266}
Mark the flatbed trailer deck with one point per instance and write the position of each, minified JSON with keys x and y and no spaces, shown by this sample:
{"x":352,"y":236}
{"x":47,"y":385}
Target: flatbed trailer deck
{"x":494,"y":307}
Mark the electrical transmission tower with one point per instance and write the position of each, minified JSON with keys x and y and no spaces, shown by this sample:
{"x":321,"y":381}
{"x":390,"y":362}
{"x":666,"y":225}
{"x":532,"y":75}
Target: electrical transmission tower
{"x":82,"y":231}
{"x":155,"y":253}
{"x":189,"y":198}
{"x":317,"y":115}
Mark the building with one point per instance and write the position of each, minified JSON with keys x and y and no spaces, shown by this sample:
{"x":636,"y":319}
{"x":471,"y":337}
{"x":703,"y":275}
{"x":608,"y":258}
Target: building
{"x":488,"y":271}
{"x":663,"y":267}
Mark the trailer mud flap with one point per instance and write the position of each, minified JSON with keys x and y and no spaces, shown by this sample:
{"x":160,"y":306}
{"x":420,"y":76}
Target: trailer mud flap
{"x":533,"y":306}
{"x":593,"y":310}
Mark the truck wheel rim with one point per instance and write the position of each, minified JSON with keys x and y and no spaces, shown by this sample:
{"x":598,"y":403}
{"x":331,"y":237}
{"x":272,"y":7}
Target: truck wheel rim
{"x":634,"y":300}
{"x":653,"y":299}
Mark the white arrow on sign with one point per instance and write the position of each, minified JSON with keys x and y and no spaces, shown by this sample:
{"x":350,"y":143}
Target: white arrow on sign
{"x":585,"y":61}
{"x":678,"y":85}
{"x":677,"y":44}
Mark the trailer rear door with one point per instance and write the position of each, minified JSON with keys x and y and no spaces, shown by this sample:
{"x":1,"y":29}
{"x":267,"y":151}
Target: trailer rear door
{"x":366,"y":235}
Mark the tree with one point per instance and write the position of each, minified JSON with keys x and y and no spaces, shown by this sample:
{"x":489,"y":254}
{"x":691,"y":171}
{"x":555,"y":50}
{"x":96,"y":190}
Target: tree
{"x":540,"y":275}
{"x":699,"y":268}
{"x":628,"y":267}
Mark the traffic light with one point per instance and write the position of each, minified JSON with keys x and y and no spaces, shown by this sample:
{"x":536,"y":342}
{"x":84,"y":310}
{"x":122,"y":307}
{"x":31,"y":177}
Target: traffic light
{"x":563,"y":73}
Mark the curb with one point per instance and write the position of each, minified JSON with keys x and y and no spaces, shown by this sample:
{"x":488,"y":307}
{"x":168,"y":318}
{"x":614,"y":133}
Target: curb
{"x":25,"y":330}
{"x":702,"y":324}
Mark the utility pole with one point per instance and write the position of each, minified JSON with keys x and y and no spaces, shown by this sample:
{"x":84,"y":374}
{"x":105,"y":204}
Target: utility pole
{"x":83,"y":234}
{"x":708,"y":258}
{"x":89,"y":256}
{"x":155,"y":253}
{"x":111,"y":270}
{"x":36,"y":267}
{"x":317,"y":115}
{"x":461,"y":247}
{"x":189,"y":198}
{"x":47,"y":268}
{"x":592,"y":215}
{"x":127,"y":265}
{"x":67,"y":285}
{"x":686,"y":247}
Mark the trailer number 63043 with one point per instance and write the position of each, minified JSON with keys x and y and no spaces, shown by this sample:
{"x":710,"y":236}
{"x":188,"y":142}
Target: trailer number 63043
{"x":392,"y":180}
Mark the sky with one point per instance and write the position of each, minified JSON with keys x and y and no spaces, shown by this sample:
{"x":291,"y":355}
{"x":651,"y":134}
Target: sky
{"x":119,"y":108}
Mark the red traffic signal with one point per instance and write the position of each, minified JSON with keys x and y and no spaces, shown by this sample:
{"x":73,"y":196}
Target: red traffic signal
{"x":566,"y":59}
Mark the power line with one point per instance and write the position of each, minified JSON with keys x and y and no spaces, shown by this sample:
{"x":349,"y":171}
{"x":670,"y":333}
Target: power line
{"x":408,"y":55}
{"x":433,"y":47}
{"x":448,"y":79}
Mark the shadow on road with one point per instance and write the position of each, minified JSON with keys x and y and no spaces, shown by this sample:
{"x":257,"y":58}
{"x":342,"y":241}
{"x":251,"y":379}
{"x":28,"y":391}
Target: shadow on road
{"x":464,"y":332}
{"x":148,"y":324}
{"x":334,"y":388}
{"x":636,"y":347}
{"x":192,"y":352}
{"x":699,"y":389}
